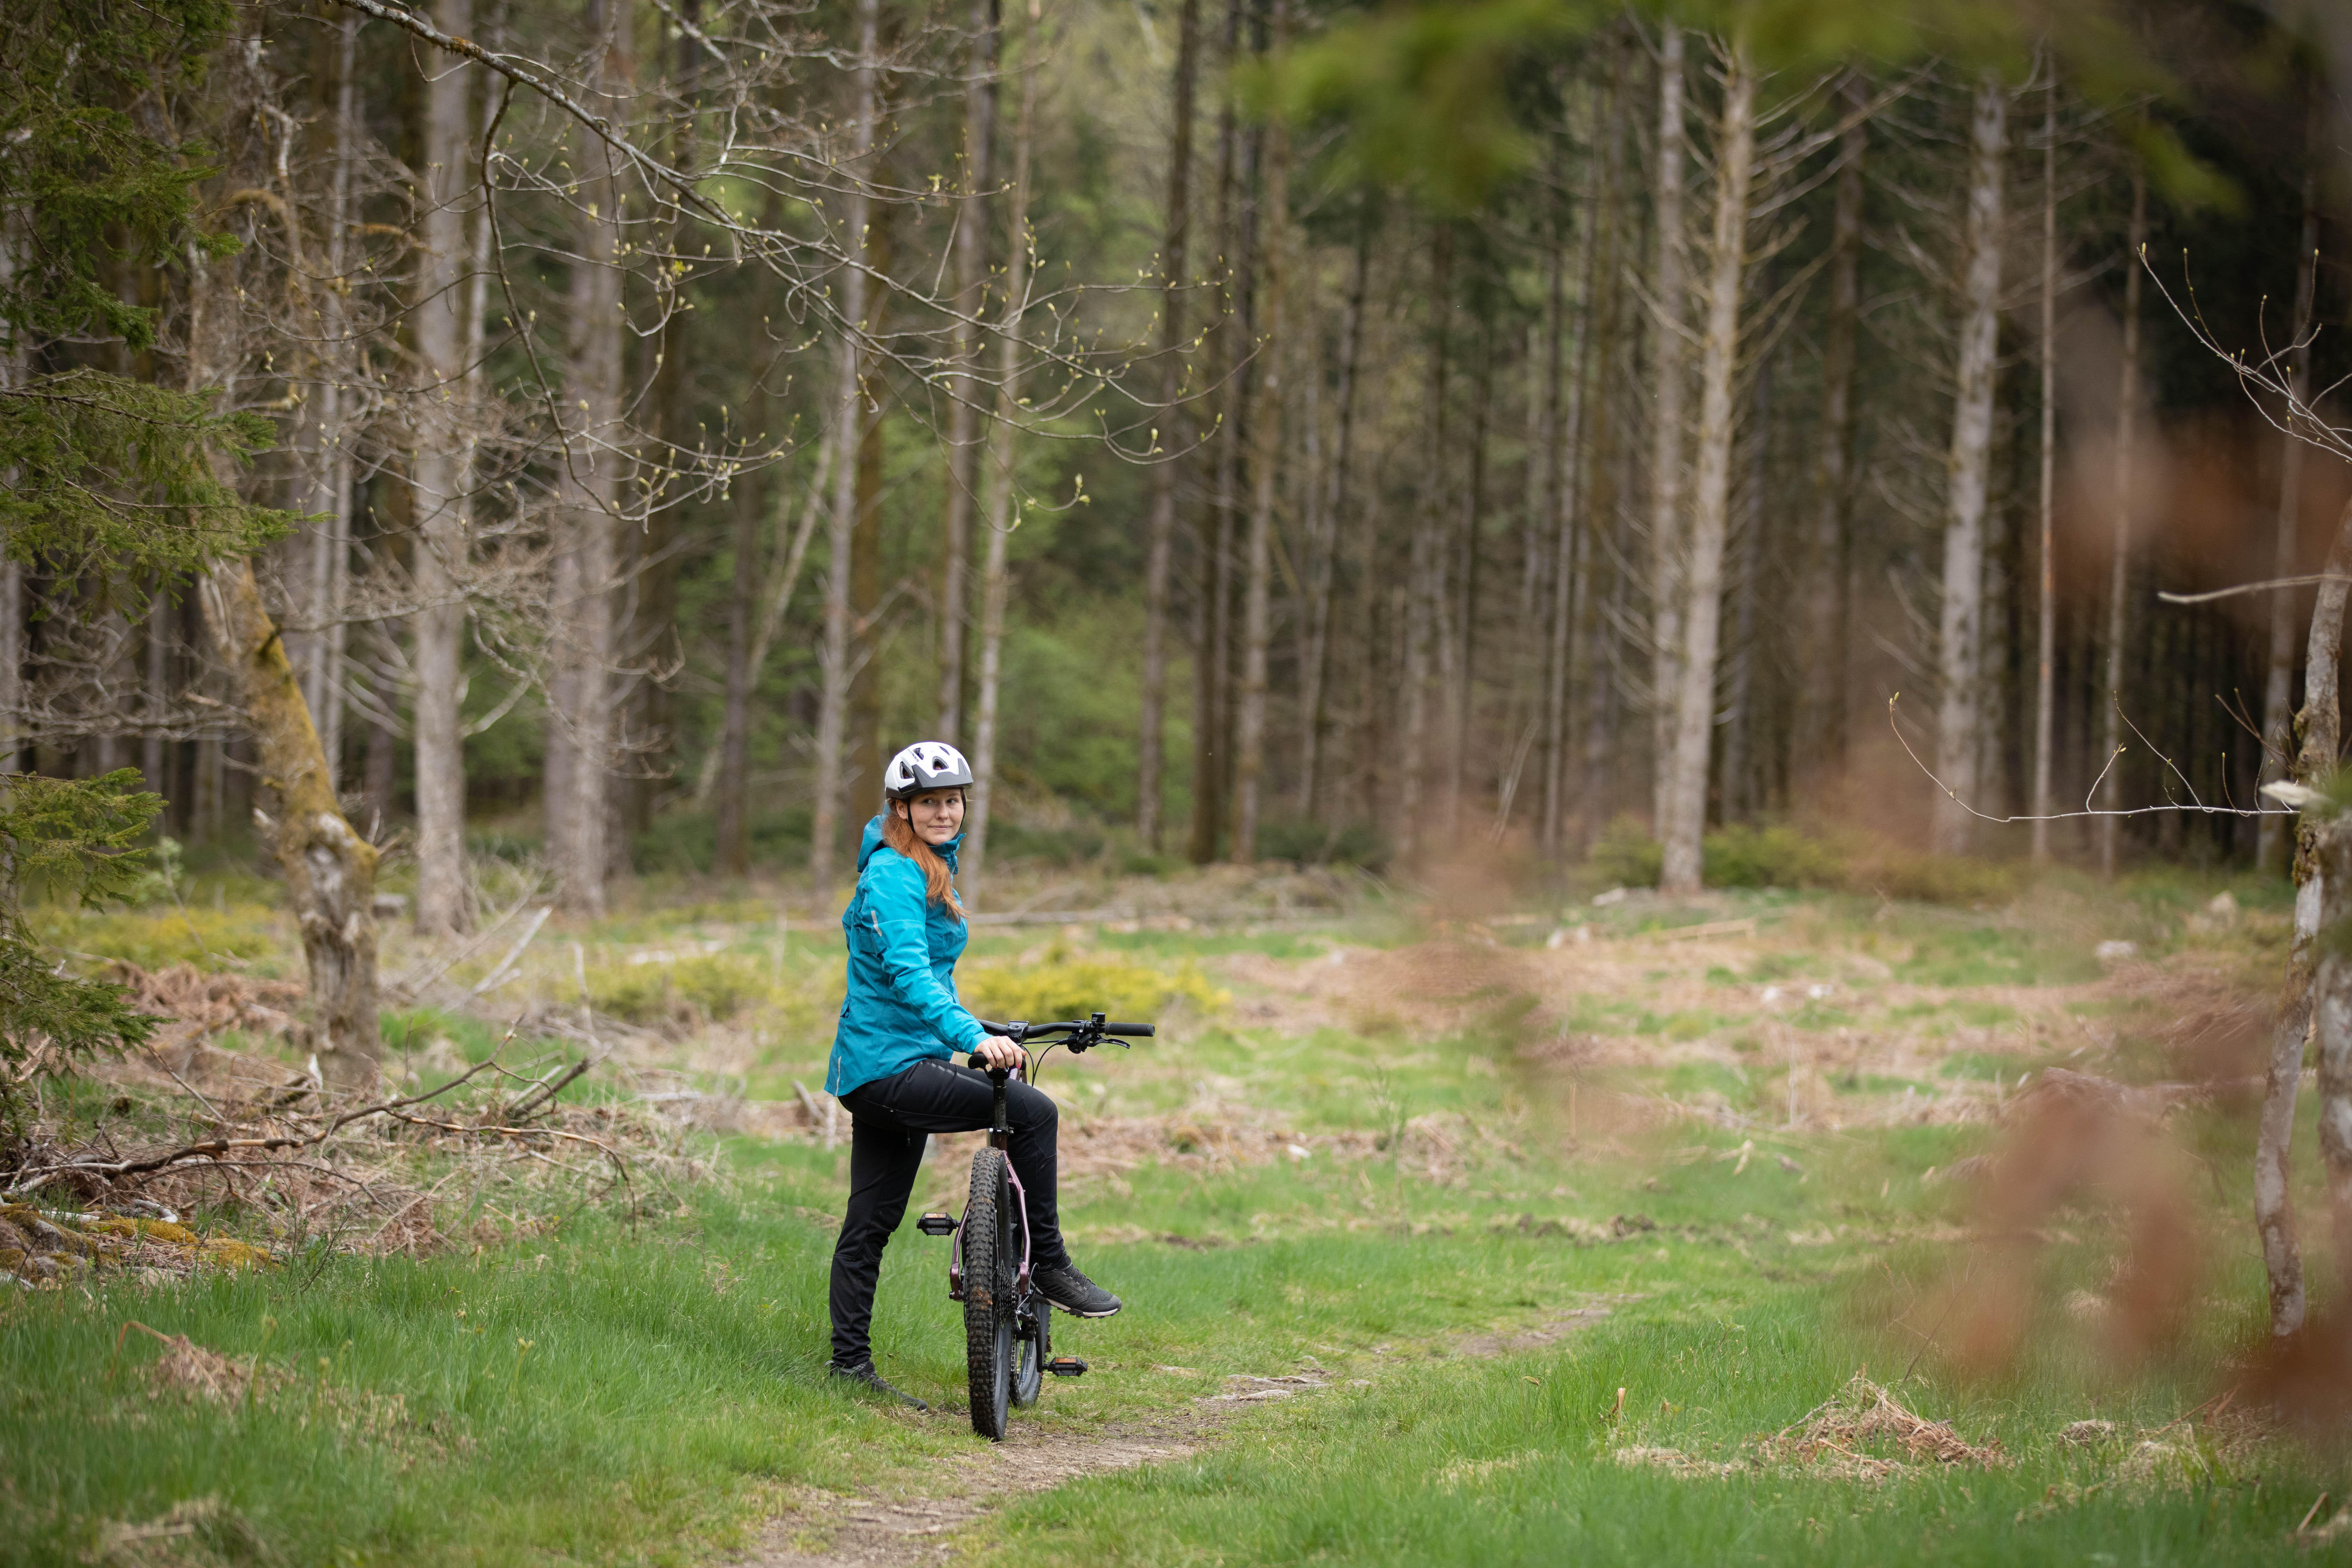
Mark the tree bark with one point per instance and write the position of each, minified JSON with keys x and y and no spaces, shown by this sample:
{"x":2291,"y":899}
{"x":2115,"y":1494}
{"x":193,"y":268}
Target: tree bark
{"x":329,"y":563}
{"x":1265,"y":463}
{"x":971,"y":258}
{"x":2127,"y":419}
{"x":2278,"y":686}
{"x":2046,"y":556}
{"x":329,"y":870}
{"x":1827,"y":633}
{"x":1213,"y":611}
{"x":437,"y":486}
{"x":1969,"y":471}
{"x":1666,"y":584}
{"x":834,"y":705}
{"x":2323,"y":880}
{"x":580,"y":816}
{"x":1462,"y":643}
{"x":1151,"y":758}
{"x":1003,"y":483}
{"x":1561,"y":450}
{"x":1735,"y":156}
{"x":1424,"y":584}
{"x":1741,"y":797}
{"x":1316,"y":675}
{"x":863,"y":752}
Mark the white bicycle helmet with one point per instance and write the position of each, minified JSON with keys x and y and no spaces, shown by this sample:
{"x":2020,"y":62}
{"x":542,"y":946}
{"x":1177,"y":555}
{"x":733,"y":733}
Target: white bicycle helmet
{"x":925,"y":765}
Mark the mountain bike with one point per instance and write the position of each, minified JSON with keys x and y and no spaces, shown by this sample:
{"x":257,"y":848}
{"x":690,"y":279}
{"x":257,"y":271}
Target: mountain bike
{"x":1007,"y":1327}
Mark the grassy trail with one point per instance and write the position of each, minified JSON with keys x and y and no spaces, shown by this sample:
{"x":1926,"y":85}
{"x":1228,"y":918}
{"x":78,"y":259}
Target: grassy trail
{"x":1395,"y":1229}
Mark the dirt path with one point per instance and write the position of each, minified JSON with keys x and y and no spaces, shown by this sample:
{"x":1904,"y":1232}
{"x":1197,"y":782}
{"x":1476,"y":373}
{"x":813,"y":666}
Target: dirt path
{"x":830,"y":1529}
{"x":827,"y":1529}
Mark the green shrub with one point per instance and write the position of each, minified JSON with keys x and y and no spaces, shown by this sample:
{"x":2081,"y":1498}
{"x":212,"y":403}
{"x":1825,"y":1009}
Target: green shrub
{"x":1315,"y":843}
{"x":1052,"y":846}
{"x":1627,"y":856}
{"x":717,"y":988}
{"x":1775,"y":855}
{"x":1070,"y":985}
{"x":1781,"y":855}
{"x":158,"y":937}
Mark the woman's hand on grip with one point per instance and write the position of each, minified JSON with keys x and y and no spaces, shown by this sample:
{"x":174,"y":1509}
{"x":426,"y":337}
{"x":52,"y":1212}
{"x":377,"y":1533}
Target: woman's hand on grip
{"x":999,"y":1052}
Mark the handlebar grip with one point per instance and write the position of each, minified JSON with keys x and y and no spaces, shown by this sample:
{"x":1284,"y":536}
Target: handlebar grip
{"x":1133,"y":1031}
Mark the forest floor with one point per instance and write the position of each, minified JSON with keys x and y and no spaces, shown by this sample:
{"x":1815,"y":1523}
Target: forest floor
{"x":1761,"y":1226}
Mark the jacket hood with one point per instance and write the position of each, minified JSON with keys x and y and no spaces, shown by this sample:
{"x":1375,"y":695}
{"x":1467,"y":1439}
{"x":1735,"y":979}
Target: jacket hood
{"x":873,"y":841}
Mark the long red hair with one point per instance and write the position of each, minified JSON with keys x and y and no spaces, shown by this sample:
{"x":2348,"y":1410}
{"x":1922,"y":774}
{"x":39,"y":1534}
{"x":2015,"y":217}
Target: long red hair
{"x":900,"y":834}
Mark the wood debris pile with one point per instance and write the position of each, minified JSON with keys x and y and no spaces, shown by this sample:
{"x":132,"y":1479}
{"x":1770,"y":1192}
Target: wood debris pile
{"x":196,"y":1006}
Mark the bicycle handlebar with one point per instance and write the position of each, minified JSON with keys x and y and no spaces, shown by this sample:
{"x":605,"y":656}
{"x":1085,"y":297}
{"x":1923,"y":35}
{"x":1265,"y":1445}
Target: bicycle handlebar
{"x":1095,"y":1028}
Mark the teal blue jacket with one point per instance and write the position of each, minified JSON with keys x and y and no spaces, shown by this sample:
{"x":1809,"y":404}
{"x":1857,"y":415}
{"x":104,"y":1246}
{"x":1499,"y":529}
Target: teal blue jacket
{"x":901,"y":1008}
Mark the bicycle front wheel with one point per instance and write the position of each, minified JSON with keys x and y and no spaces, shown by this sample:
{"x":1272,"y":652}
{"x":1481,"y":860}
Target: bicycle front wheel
{"x":988,"y":1265}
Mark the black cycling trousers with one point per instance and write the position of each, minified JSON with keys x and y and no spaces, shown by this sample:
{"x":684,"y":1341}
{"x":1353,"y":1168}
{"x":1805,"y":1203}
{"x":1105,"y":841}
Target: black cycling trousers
{"x":890,"y":1120}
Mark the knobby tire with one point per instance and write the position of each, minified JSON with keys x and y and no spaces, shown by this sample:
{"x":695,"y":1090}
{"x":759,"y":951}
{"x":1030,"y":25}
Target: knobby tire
{"x":988,"y":1268}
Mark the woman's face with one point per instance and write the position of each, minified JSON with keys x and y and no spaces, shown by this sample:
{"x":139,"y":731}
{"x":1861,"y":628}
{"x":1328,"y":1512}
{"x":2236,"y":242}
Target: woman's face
{"x":935,"y":814}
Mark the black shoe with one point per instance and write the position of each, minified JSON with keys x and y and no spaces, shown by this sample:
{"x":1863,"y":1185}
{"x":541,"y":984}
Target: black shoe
{"x":1063,"y":1285}
{"x":865,"y":1376}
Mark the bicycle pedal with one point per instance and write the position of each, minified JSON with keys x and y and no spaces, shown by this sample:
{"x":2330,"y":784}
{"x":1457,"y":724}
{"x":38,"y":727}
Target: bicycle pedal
{"x":1066,"y":1366}
{"x":937,"y":1224}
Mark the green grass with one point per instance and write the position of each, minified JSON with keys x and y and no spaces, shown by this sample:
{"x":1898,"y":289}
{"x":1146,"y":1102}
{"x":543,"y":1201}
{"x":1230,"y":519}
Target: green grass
{"x":1508,"y":1462}
{"x":596,"y":1390}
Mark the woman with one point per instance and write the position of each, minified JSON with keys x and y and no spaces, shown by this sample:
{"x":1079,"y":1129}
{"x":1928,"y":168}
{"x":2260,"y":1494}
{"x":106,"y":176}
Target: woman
{"x":893,"y":1054}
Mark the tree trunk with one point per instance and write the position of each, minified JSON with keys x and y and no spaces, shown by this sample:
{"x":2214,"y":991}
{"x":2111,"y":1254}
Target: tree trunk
{"x":2046,"y":556}
{"x":1828,"y":615}
{"x":833,"y":710}
{"x":647,"y":646}
{"x":590,"y":490}
{"x":1741,"y":798}
{"x":330,"y":564}
{"x":1970,"y":472}
{"x":13,"y":759}
{"x":2322,"y":880}
{"x":2278,"y":686}
{"x":328,"y":869}
{"x":971,"y":258}
{"x":157,"y":694}
{"x":1424,"y":584}
{"x":2126,"y":418}
{"x":1265,"y":463}
{"x":1562,"y":450}
{"x":436,"y":485}
{"x":1462,"y":643}
{"x":1666,"y":584}
{"x":1735,"y":156}
{"x":1001,"y":482}
{"x":863,"y":756}
{"x":2320,"y":721}
{"x":1212,"y":612}
{"x":1316,"y":674}
{"x":1160,"y":540}
{"x":1600,"y":481}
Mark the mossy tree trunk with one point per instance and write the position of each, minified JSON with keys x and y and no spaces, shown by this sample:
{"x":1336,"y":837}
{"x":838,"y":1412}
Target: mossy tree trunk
{"x":329,"y":869}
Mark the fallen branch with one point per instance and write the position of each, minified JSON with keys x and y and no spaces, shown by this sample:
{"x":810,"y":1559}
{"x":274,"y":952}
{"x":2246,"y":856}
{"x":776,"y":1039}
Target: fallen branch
{"x":213,"y":1149}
